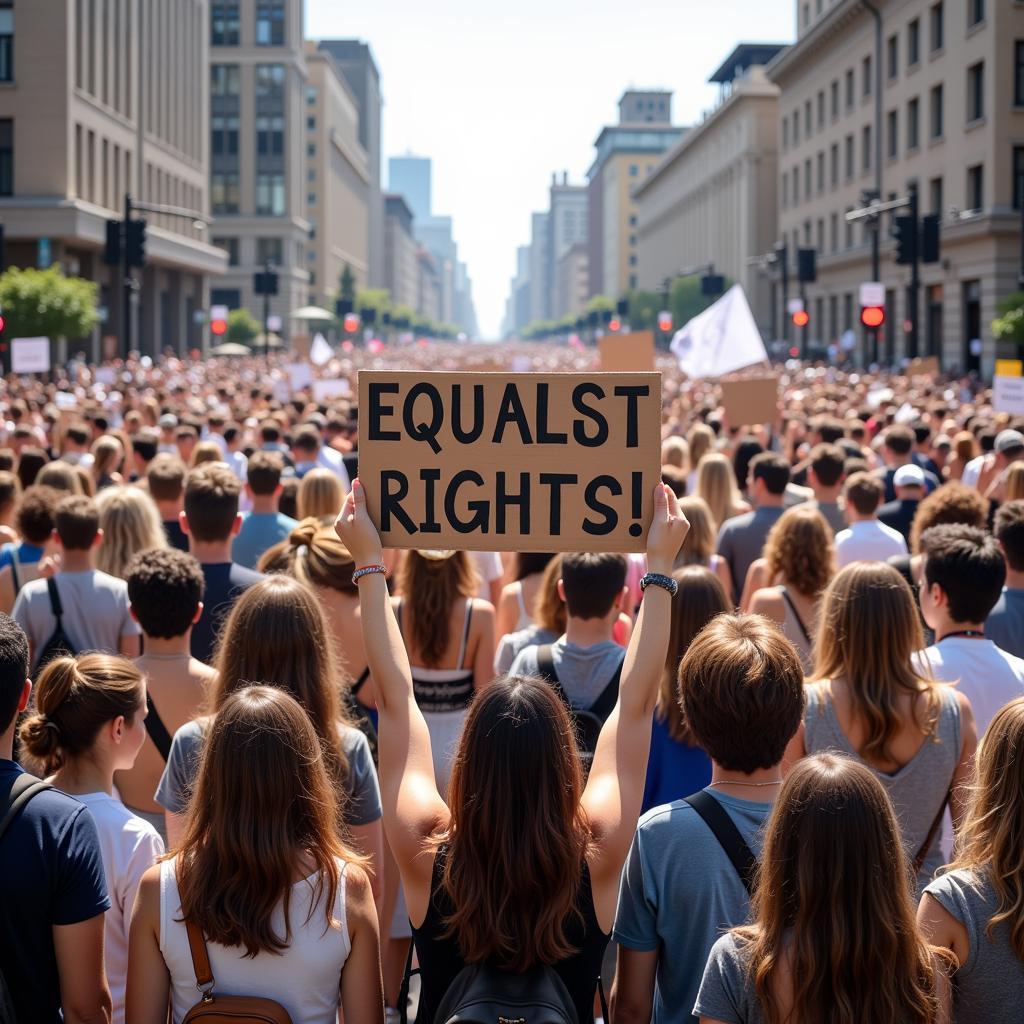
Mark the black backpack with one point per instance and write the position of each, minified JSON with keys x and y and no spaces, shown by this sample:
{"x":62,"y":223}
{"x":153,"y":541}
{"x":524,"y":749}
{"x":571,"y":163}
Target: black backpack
{"x":25,"y":787}
{"x":590,"y":722}
{"x":59,"y":645}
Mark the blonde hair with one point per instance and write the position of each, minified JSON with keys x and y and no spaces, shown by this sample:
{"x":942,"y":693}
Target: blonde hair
{"x":799,"y":551}
{"x":716,"y":484}
{"x":313,"y":554}
{"x":108,"y":454}
{"x":700,"y":541}
{"x":320,"y":494}
{"x":205,"y":451}
{"x":701,"y":440}
{"x":548,"y":608}
{"x":675,"y":452}
{"x":130,"y":523}
{"x":1014,"y":482}
{"x":61,"y":476}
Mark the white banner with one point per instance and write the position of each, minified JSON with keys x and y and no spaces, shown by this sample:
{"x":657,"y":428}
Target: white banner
{"x":721,"y":339}
{"x":320,"y":353}
{"x":1008,"y":395}
{"x":325,"y":391}
{"x":30,"y":355}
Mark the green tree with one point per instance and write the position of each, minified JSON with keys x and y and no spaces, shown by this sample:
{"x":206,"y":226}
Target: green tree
{"x":1008,"y":328}
{"x":45,"y":303}
{"x":600,"y":304}
{"x":242,"y":326}
{"x":347,"y":285}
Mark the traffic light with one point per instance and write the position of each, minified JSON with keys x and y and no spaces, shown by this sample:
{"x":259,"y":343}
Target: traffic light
{"x":905,"y":234}
{"x":3,"y":324}
{"x":872,"y":316}
{"x":712,"y":284}
{"x":807,"y":265}
{"x":351,"y":323}
{"x":218,"y":327}
{"x":368,"y":314}
{"x":265,"y":282}
{"x":135,"y":242}
{"x":606,"y":316}
{"x":622,"y":307}
{"x":801,"y":318}
{"x":342,"y":308}
{"x":614,"y":324}
{"x":930,"y":238}
{"x":665,"y":321}
{"x":112,"y":245}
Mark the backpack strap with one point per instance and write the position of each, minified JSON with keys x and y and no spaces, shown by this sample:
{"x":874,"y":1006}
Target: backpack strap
{"x":25,"y":787}
{"x":14,"y":571}
{"x":156,"y":730}
{"x":602,"y":707}
{"x":926,"y":846}
{"x":200,"y":958}
{"x":360,"y":682}
{"x":728,"y":835}
{"x":55,"y":606}
{"x":546,"y":666}
{"x":796,"y":614}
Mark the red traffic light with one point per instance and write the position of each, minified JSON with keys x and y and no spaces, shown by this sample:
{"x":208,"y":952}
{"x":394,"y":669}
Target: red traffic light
{"x":3,"y":323}
{"x":801,"y":318}
{"x":872,"y":316}
{"x":218,"y":327}
{"x":665,"y":323}
{"x":351,"y":323}
{"x":614,"y":325}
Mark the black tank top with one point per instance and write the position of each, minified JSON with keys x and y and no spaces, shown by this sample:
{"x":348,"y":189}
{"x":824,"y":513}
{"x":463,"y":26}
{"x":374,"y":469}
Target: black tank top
{"x":440,"y":960}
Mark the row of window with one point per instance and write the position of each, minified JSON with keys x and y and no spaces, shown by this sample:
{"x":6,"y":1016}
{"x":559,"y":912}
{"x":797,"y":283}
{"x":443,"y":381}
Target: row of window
{"x":225,"y":81}
{"x":225,"y":194}
{"x":268,"y":250}
{"x":226,"y":23}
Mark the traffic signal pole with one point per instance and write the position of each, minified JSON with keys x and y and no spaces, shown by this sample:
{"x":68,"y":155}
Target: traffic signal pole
{"x":914,"y":288}
{"x":127,"y":280}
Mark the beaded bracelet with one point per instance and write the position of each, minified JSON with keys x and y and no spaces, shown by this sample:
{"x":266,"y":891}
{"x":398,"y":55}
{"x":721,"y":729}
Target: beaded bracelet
{"x":367,"y":570}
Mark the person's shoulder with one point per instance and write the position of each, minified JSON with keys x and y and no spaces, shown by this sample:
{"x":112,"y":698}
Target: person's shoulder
{"x":525,"y":662}
{"x":115,"y":813}
{"x":191,"y":733}
{"x":54,"y":811}
{"x":103,"y":580}
{"x":353,"y":741}
{"x":960,"y":887}
{"x":740,"y":522}
{"x":243,"y":577}
{"x":667,"y":819}
{"x":286,"y":522}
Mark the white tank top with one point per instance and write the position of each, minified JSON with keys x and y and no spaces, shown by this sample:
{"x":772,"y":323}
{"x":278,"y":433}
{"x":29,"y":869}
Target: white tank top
{"x":305,"y":979}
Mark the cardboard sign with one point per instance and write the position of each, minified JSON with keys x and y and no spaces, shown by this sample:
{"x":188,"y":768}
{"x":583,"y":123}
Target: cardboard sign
{"x":927,"y":366}
{"x":627,"y":353}
{"x":510,"y":461}
{"x":1008,"y":395}
{"x":300,"y":375}
{"x":325,"y":391}
{"x":30,"y":355}
{"x":1009,"y":368}
{"x":751,"y":401}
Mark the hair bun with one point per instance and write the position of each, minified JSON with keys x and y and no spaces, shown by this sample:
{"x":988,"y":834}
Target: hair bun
{"x":41,"y":737}
{"x":303,"y":534}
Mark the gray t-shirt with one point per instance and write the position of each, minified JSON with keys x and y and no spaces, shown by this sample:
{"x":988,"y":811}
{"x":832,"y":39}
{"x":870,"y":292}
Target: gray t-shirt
{"x":583,"y":672}
{"x":362,"y":791}
{"x":727,"y":990}
{"x":94,"y":606}
{"x":679,"y":892}
{"x":1005,"y":624}
{"x":991,"y":980}
{"x":741,"y":540}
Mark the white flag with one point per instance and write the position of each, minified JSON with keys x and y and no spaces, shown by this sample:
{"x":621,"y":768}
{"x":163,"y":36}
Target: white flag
{"x":320,"y":352}
{"x":721,"y":339}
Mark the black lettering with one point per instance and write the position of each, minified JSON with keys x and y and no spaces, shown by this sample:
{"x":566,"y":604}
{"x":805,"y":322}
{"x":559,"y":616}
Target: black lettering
{"x":429,"y":478}
{"x":554,"y":482}
{"x":611,"y":517}
{"x":471,"y":435}
{"x":424,"y":431}
{"x":578,"y":429}
{"x":512,"y":412}
{"x":377,"y":410}
{"x":391,"y":502}
{"x":631,"y":393}
{"x":544,"y":436}
{"x":502,"y":499}
{"x":481,"y":508}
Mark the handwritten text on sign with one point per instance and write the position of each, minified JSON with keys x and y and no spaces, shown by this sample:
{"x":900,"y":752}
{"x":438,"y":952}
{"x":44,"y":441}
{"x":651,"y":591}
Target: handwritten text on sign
{"x":510,"y":461}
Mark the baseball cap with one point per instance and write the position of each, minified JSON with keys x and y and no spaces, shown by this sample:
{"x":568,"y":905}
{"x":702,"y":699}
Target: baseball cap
{"x":168,"y":420}
{"x":1008,"y":440}
{"x":908,"y":476}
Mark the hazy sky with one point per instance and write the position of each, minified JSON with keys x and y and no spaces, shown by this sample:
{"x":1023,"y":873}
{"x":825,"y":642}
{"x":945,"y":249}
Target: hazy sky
{"x":501,"y":96}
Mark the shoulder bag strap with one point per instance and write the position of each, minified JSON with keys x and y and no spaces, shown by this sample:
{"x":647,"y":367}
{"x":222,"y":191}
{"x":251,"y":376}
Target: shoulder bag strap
{"x":156,"y":730}
{"x":200,"y":957}
{"x":25,"y":787}
{"x":14,"y":571}
{"x":55,"y":606}
{"x":403,"y":991}
{"x":546,"y":665}
{"x":796,"y":614}
{"x":728,"y":835}
{"x":360,"y":682}
{"x":926,"y":846}
{"x":465,"y":633}
{"x":602,"y":707}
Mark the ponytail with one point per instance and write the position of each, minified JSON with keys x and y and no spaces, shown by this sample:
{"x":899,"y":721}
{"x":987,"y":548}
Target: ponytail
{"x":74,"y":699}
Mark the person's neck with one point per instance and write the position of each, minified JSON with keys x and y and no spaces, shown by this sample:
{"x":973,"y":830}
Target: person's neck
{"x":949,"y":628}
{"x":85,"y":775}
{"x":7,"y":741}
{"x":168,"y":645}
{"x":770,"y":501}
{"x":169,"y":510}
{"x":210,"y":552}
{"x":827,"y":495}
{"x":1015,"y":578}
{"x":588,"y":632}
{"x":760,"y":786}
{"x":77,"y":561}
{"x":264,"y":504}
{"x":855,"y":517}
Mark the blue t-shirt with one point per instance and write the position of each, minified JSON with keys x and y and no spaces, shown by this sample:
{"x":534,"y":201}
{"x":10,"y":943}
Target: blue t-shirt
{"x":51,"y":873}
{"x":1005,"y":624}
{"x":28,"y":554}
{"x":679,"y":892}
{"x":674,"y":770}
{"x":225,"y":581}
{"x":260,"y":532}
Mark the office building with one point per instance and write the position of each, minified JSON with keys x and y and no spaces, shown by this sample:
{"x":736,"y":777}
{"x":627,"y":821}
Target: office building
{"x":942,"y":106}
{"x":540,"y":295}
{"x":410,"y":176}
{"x":96,"y":102}
{"x":428,"y":301}
{"x":401,"y":253}
{"x":567,"y":225}
{"x":711,"y":199}
{"x":572,"y":281}
{"x":625,"y":154}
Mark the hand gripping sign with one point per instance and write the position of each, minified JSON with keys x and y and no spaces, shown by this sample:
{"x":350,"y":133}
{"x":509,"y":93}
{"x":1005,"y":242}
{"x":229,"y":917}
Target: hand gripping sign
{"x":510,"y":461}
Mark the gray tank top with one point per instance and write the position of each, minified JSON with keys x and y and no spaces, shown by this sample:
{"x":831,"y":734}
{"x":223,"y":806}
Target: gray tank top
{"x":990,"y":982}
{"x":919,"y":788}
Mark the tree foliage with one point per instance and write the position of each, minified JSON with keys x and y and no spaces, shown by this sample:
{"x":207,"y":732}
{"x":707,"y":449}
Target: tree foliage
{"x":242,"y":326}
{"x":45,"y":303}
{"x":347,"y":284}
{"x":1009,"y":326}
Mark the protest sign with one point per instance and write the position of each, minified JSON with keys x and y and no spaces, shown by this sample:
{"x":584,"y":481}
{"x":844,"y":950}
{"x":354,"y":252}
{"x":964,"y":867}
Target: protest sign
{"x":300,"y":375}
{"x":627,"y":353}
{"x":510,"y":462}
{"x":325,"y":391}
{"x":751,"y":401}
{"x":1009,"y":368}
{"x":1008,"y":395}
{"x":30,"y":355}
{"x":923,"y":366}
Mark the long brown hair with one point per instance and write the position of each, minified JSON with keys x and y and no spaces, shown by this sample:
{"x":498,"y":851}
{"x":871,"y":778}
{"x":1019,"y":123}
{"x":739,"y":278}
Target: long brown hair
{"x":74,"y":699}
{"x":800,"y":552}
{"x":991,"y":842}
{"x":868,"y":633}
{"x":699,"y":542}
{"x":430,"y":585}
{"x":277,"y":635}
{"x":548,"y":608}
{"x":518,"y":836}
{"x":313,"y":554}
{"x":698,"y":600}
{"x":833,"y":905}
{"x":262,"y":801}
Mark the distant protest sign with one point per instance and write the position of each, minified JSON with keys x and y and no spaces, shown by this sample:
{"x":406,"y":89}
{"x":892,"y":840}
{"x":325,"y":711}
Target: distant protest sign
{"x":923,"y":366}
{"x":751,"y":401}
{"x":510,"y":461}
{"x":30,"y":355}
{"x":627,"y":353}
{"x":1008,"y":395}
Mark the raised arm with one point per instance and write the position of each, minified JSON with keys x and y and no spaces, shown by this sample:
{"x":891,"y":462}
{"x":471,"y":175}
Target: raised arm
{"x":615,"y":788}
{"x":413,"y":808}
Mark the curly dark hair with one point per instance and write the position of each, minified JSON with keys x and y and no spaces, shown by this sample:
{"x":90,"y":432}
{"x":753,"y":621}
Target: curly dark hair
{"x":165,"y":587}
{"x":34,"y":518}
{"x":952,"y":503}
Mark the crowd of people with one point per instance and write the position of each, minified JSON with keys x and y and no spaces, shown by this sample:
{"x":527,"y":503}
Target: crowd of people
{"x":767,"y":771}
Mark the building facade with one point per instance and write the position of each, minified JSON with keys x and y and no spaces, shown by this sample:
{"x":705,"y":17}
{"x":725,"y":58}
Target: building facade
{"x":942,"y":106}
{"x":572,"y":281}
{"x":540,"y":295}
{"x":401,"y":253}
{"x":711,"y":200}
{"x":625,"y":154}
{"x":428,"y":301}
{"x":411,"y":177}
{"x":95,"y":104}
{"x":258,"y":138}
{"x":567,"y":225}
{"x":337,"y":181}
